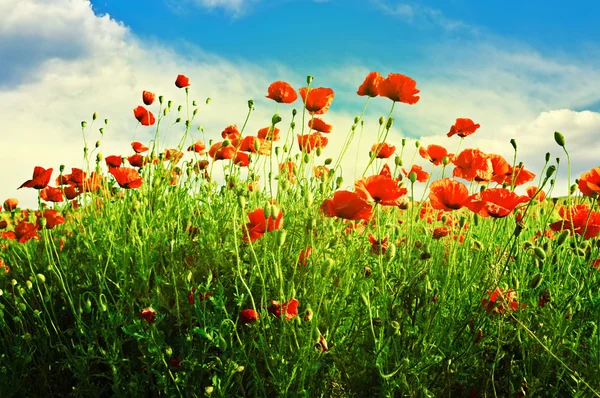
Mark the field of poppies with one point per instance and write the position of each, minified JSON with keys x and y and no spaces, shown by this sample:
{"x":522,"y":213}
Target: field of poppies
{"x":151,"y":275}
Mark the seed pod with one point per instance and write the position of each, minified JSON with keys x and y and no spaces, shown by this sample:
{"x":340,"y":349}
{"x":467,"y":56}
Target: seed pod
{"x":540,"y":253}
{"x":536,"y":280}
{"x":559,"y":138}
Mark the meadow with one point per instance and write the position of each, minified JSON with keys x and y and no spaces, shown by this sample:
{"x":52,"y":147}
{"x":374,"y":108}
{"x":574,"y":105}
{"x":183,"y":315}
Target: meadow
{"x":144,"y":275}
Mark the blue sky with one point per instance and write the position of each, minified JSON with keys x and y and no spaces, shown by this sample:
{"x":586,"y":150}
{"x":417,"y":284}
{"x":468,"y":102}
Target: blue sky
{"x":522,"y":69}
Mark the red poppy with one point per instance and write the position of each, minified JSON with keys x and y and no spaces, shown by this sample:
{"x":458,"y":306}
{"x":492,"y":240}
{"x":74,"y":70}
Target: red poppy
{"x":434,"y":153}
{"x":248,"y":316}
{"x":463,"y":127}
{"x":231,"y":133}
{"x":126,"y":177}
{"x":148,"y":97}
{"x":113,"y":161}
{"x":347,"y":205}
{"x":53,"y":218}
{"x":380,"y":189}
{"x":93,"y":183}
{"x":440,"y":232}
{"x":41,"y":178}
{"x":383,"y":150}
{"x":76,"y":178}
{"x":399,"y":88}
{"x":288,"y":169}
{"x":269,"y":134}
{"x":318,"y":99}
{"x":219,"y":151}
{"x":308,"y":142}
{"x":71,"y":192}
{"x":282,"y":92}
{"x":290,"y":309}
{"x":148,"y":314}
{"x":320,"y":171}
{"x":198,"y":147}
{"x":499,"y":301}
{"x":182,"y":81}
{"x":319,"y":124}
{"x":52,"y":194}
{"x":173,"y":155}
{"x":255,"y":145}
{"x":138,"y":147}
{"x":494,"y":202}
{"x":10,"y":204}
{"x":500,"y":168}
{"x":259,"y":225}
{"x":137,"y":160}
{"x":590,"y":182}
{"x":473,"y":165}
{"x":304,"y":255}
{"x":580,"y":219}
{"x":447,"y":194}
{"x":371,"y":84}
{"x":24,"y":231}
{"x":520,"y":176}
{"x":421,"y":175}
{"x":378,"y":246}
{"x":242,"y":159}
{"x":144,"y":116}
{"x":540,"y":197}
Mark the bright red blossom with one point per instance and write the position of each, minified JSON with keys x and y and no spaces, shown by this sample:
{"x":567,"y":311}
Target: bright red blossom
{"x":259,"y":225}
{"x":447,"y":194}
{"x":463,"y":127}
{"x":144,"y":116}
{"x":399,"y":88}
{"x":113,"y":161}
{"x":182,"y":81}
{"x":434,"y":153}
{"x":290,"y":309}
{"x":282,"y":92}
{"x":380,"y":189}
{"x":580,"y":219}
{"x":138,"y":147}
{"x":383,"y":150}
{"x":126,"y":177}
{"x":370,"y":87}
{"x":347,"y":205}
{"x":10,"y":204}
{"x":318,"y":99}
{"x":319,"y":124}
{"x":148,"y":314}
{"x":421,"y":175}
{"x":494,"y":202}
{"x":308,"y":142}
{"x":41,"y":178}
{"x":148,"y":97}
{"x":248,"y":316}
{"x":589,"y":183}
{"x":52,"y":194}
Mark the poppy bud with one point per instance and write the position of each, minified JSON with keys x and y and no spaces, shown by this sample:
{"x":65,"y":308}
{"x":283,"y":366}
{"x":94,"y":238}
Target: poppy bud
{"x":277,"y":150}
{"x":391,"y":251}
{"x":309,"y":198}
{"x":242,"y":201}
{"x":101,"y":130}
{"x":99,"y":157}
{"x":338,"y":182}
{"x":226,"y":143}
{"x":403,"y":141}
{"x":412,"y":177}
{"x":87,"y":306}
{"x":161,"y":99}
{"x":309,"y":79}
{"x":275,"y":119}
{"x":267,"y":210}
{"x":294,"y":112}
{"x":165,"y":111}
{"x":309,"y":315}
{"x":275,"y":211}
{"x":102,"y":302}
{"x":194,"y":103}
{"x":177,"y":120}
{"x":208,"y":100}
{"x":536,"y":280}
{"x":83,"y":124}
{"x":319,"y":151}
{"x":547,"y":157}
{"x":398,"y":161}
{"x":527,"y":245}
{"x":389,"y":123}
{"x":97,"y":143}
{"x":513,"y":142}
{"x":417,"y":144}
{"x":381,"y":120}
{"x":250,"y":104}
{"x":41,"y":278}
{"x":95,"y":116}
{"x":106,"y":122}
{"x":282,"y":233}
{"x":209,"y":390}
{"x":187,"y":123}
{"x":285,"y":185}
{"x":306,"y":158}
{"x":328,"y":161}
{"x":573,"y":188}
{"x":559,"y":138}
{"x":540,"y":253}
{"x":550,"y":171}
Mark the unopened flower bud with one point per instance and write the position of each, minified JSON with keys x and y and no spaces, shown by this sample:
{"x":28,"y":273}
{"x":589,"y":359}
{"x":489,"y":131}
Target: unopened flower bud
{"x":412,"y":177}
{"x":97,"y":143}
{"x":319,"y":151}
{"x":417,"y":144}
{"x":389,"y":123}
{"x":445,"y":160}
{"x":208,"y":100}
{"x":250,"y":104}
{"x":513,"y":142}
{"x":99,"y":157}
{"x":559,"y":138}
{"x":381,"y":120}
{"x":294,"y":112}
{"x":101,"y":130}
{"x":398,"y":161}
{"x":309,"y":80}
{"x":275,"y":119}
{"x":403,"y":141}
{"x":161,"y":99}
{"x":83,"y":124}
{"x":95,"y":116}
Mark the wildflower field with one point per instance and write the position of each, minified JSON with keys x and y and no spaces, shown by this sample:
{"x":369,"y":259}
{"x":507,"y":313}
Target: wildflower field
{"x":144,"y":275}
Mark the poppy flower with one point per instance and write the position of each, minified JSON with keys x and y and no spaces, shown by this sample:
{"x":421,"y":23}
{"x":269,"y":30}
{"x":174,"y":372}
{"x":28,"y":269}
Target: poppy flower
{"x":590,"y":182}
{"x":320,"y":171}
{"x":248,"y":316}
{"x":380,"y":189}
{"x":41,"y":178}
{"x":500,"y":169}
{"x":76,"y":178}
{"x":93,"y":183}
{"x":347,"y":205}
{"x":399,"y":88}
{"x":148,"y":97}
{"x":182,"y":81}
{"x":378,"y":246}
{"x":499,"y":301}
{"x":71,"y":192}
{"x":580,"y":219}
{"x":434,"y":153}
{"x":288,"y":169}
{"x":322,"y":344}
{"x":242,"y":159}
{"x":447,"y":194}
{"x":540,"y":197}
{"x":148,"y":314}
{"x":259,"y":225}
{"x":10,"y":204}
{"x":52,"y":194}
{"x":440,"y":232}
{"x":126,"y":177}
{"x":218,"y":151}
{"x":144,"y":116}
{"x":269,"y":134}
{"x":370,"y":86}
{"x":319,"y":124}
{"x":290,"y":309}
{"x":304,"y":255}
{"x":308,"y":142}
{"x":494,"y":202}
{"x":23,"y":232}
{"x":318,"y":100}
{"x":138,"y":147}
{"x":255,"y":145}
{"x":173,"y":155}
{"x":383,"y":150}
{"x":113,"y":161}
{"x":231,"y":133}
{"x":473,"y":165}
{"x":137,"y":160}
{"x":282,"y":92}
{"x":421,"y":175}
{"x":53,"y":218}
{"x":198,"y":147}
{"x":517,"y":177}
{"x":463,"y":127}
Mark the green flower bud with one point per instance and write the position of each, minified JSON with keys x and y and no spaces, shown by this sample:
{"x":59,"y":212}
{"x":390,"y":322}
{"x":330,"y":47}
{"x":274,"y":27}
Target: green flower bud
{"x":83,"y":124}
{"x":95,"y":116}
{"x":275,"y":119}
{"x":328,"y":161}
{"x":319,"y":151}
{"x":559,"y":138}
{"x":540,"y":253}
{"x":208,"y":100}
{"x":309,"y":80}
{"x":381,"y":120}
{"x":412,"y":177}
{"x":389,"y":123}
{"x":536,"y":280}
{"x":551,"y":170}
{"x":294,"y":112}
{"x":398,"y":161}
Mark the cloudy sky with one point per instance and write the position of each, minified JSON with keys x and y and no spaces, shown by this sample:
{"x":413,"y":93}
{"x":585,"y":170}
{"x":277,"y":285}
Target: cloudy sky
{"x":521,"y":69}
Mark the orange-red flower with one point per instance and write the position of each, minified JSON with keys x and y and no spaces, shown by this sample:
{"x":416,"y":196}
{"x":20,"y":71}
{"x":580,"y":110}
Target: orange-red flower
{"x":218,"y":151}
{"x":148,"y":314}
{"x":463,"y":127}
{"x":138,"y":147}
{"x":288,"y":170}
{"x":440,"y":232}
{"x":318,"y":99}
{"x":304,"y":255}
{"x":383,"y":150}
{"x":520,"y":176}
{"x":144,"y":116}
{"x":378,"y":246}
{"x":290,"y":309}
{"x":447,"y":194}
{"x":182,"y":81}
{"x":52,"y":194}
{"x":495,"y":202}
{"x":137,"y":160}
{"x":255,"y":145}
{"x":422,"y":175}
{"x":24,"y":231}
{"x":76,"y":178}
{"x":399,"y":88}
{"x":242,"y":159}
{"x":320,"y":171}
{"x":348,"y":205}
{"x":248,"y":316}
{"x":308,"y":142}
{"x":282,"y":92}
{"x":148,"y":97}
{"x":41,"y":178}
{"x":319,"y":124}
{"x":113,"y":161}
{"x":371,"y":84}
{"x":434,"y":153}
{"x":473,"y":165}
{"x":10,"y":204}
{"x":590,"y":182}
{"x":198,"y":147}
{"x":267,"y":133}
{"x":53,"y":218}
{"x":126,"y":177}
{"x":540,"y":197}
{"x":499,"y":301}
{"x":259,"y":224}
{"x":580,"y":219}
{"x":380,"y":189}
